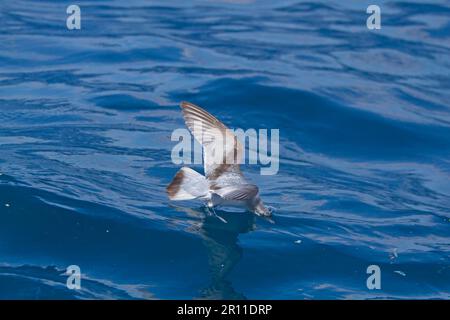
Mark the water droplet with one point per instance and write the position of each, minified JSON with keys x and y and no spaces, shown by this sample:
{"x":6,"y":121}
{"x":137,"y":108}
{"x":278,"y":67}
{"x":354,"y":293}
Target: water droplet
{"x":393,"y":255}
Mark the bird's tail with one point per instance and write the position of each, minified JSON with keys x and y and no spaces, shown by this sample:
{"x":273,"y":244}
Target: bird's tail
{"x":187,"y":185}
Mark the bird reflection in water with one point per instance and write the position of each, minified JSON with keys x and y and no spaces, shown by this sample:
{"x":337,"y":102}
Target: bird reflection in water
{"x":220,"y":232}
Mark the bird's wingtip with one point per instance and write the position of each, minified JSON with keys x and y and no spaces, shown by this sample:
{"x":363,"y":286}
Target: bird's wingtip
{"x":185,"y":104}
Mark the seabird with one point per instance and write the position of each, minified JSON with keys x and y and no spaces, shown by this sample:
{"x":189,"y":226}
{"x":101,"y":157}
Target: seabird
{"x":223,"y":183}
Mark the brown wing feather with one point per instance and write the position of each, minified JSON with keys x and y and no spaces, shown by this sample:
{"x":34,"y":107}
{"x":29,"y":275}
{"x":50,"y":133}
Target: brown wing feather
{"x":211,"y":134}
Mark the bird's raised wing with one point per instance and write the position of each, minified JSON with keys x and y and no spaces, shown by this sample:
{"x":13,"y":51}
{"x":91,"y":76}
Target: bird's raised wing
{"x":222,"y":152}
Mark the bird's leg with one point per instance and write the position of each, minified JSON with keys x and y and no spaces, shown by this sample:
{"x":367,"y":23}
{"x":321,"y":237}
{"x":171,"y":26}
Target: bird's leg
{"x":210,"y":209}
{"x":219,"y":217}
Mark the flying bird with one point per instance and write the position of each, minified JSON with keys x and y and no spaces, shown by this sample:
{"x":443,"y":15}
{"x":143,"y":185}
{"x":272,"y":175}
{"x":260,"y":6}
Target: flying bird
{"x":223,"y":183}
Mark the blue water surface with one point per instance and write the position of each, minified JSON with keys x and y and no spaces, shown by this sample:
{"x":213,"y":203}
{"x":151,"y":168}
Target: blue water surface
{"x":85,"y":151}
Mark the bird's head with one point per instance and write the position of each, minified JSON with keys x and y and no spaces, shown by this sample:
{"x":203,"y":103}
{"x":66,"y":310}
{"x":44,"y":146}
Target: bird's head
{"x":261,"y":210}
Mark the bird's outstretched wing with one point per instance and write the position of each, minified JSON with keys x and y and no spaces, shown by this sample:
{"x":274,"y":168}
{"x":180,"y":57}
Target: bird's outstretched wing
{"x":222,"y":152}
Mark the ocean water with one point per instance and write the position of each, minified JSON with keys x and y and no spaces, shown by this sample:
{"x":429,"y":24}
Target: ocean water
{"x":85,"y":123}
